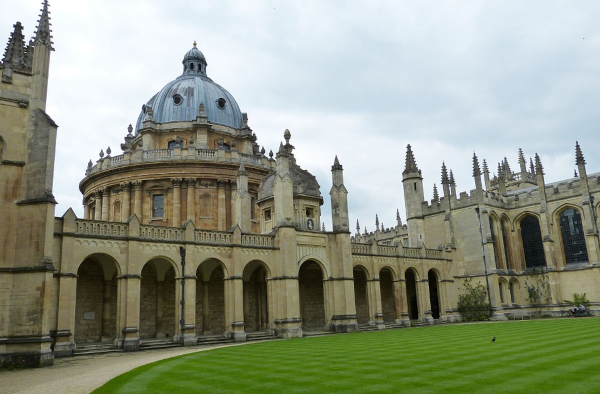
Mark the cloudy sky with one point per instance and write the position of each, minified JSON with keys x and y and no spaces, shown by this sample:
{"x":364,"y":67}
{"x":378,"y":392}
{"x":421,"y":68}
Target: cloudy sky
{"x":356,"y":79}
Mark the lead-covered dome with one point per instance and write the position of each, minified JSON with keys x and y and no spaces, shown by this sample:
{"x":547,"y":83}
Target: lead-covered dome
{"x":179,"y":100}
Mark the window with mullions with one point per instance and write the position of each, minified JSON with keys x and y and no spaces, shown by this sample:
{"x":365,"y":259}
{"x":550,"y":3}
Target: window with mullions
{"x":533,"y":248}
{"x":158,"y":206}
{"x":505,"y":243}
{"x":573,"y":239}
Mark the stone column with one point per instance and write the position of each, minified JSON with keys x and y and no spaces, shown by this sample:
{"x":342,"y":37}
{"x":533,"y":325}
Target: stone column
{"x":131,"y":285}
{"x":126,"y":186}
{"x":137,"y":199}
{"x":374,"y":291}
{"x":191,"y":199}
{"x":222,"y":209}
{"x":176,"y":201}
{"x":105,"y":201}
{"x":65,"y":325}
{"x":98,"y":210}
{"x":86,"y":210}
{"x":400,"y":303}
{"x":424,"y":301}
{"x":234,"y":307}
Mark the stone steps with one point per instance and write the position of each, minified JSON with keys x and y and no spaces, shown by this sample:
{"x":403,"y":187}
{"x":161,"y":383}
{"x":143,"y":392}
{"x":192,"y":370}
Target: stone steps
{"x":207,"y":340}
{"x":86,"y":349}
{"x":259,"y":336}
{"x":158,"y":343}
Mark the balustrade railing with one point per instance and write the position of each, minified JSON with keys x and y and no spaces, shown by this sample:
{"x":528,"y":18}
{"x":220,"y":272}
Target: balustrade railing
{"x":206,"y":153}
{"x":161,"y":233}
{"x":212,"y":237}
{"x":257,"y":240}
{"x":107,"y":229}
{"x":158,"y":154}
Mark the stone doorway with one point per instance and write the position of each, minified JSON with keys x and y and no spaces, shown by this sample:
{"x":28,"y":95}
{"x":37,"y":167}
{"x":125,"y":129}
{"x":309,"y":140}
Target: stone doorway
{"x":434,"y":298}
{"x":256,"y":311}
{"x":411,"y":295}
{"x":312,"y":300}
{"x":158,"y":304}
{"x":388,"y":299}
{"x":96,"y":302}
{"x":361,"y":297}
{"x":210,"y":298}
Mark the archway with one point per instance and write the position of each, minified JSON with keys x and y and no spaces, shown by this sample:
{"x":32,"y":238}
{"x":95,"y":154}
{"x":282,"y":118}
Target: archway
{"x":388,"y":301}
{"x":256,"y":311}
{"x":312,"y":300}
{"x":361,"y":295}
{"x":210,"y":298}
{"x":411,"y":294}
{"x":157,"y":300}
{"x":96,"y":302}
{"x":434,"y":297}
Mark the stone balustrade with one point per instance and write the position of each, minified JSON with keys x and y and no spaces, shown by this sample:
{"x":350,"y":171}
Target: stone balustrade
{"x":101,"y":229}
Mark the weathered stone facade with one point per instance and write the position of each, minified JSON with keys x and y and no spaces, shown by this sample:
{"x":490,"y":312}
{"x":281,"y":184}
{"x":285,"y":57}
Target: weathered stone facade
{"x":194,"y":231}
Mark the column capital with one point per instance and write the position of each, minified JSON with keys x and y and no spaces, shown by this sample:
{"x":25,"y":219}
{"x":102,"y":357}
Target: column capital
{"x":191,"y":182}
{"x":126,"y":186}
{"x":137,"y":185}
{"x":176,"y":182}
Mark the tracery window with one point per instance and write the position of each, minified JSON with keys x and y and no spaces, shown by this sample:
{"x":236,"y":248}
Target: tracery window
{"x":495,"y":242}
{"x":505,"y":238}
{"x":533,"y":248}
{"x":573,"y":238}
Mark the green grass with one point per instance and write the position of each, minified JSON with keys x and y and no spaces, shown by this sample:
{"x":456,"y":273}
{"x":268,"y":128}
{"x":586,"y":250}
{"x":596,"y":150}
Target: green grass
{"x":539,"y":356}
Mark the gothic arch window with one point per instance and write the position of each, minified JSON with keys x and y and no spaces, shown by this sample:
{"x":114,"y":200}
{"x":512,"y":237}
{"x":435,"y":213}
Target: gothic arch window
{"x":573,"y":238}
{"x":531,"y":237}
{"x":495,"y":242}
{"x":206,"y":206}
{"x":504,"y":228}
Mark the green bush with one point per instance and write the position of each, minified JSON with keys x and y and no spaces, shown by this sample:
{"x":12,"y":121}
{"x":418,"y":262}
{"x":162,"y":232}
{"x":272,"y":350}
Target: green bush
{"x":579,"y":299}
{"x":473,"y":304}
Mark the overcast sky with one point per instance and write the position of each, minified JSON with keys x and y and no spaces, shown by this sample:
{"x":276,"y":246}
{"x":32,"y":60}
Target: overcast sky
{"x":356,"y":79}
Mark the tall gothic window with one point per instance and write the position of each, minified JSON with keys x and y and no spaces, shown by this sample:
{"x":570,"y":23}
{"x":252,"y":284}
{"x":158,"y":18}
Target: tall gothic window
{"x":573,"y":239}
{"x":533,"y":248}
{"x":495,"y":241}
{"x":505,"y":238}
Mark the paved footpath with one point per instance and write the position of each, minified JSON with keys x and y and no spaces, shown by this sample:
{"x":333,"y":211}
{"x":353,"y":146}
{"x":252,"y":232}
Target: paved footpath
{"x":83,"y":374}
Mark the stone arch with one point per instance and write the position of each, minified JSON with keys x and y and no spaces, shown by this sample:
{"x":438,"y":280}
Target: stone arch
{"x":571,"y":233}
{"x":412,"y":276}
{"x":311,"y":275}
{"x":210,"y":297}
{"x":433,"y":277}
{"x":503,"y":288}
{"x":361,"y":294}
{"x":532,"y":246}
{"x":256,"y":299}
{"x":389,"y":306}
{"x":96,"y":299}
{"x":158,"y":299}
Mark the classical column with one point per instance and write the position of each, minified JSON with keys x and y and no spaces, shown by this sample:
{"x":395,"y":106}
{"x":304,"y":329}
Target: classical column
{"x":86,"y":210}
{"x":400,"y":302}
{"x":374,"y":291}
{"x":176,"y":201}
{"x":222,"y":209}
{"x":137,"y":196}
{"x":105,"y":201}
{"x":98,"y":210}
{"x":424,"y":301}
{"x":191,"y":199}
{"x":126,"y":186}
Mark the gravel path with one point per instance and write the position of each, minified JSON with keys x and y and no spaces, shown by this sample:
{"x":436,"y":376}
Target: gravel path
{"x":83,"y":374}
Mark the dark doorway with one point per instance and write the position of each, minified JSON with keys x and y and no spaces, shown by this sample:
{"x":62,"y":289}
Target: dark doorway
{"x":411,"y":295}
{"x":433,"y":294}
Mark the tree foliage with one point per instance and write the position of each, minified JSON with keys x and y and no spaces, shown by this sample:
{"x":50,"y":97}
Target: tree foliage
{"x":473,"y":304}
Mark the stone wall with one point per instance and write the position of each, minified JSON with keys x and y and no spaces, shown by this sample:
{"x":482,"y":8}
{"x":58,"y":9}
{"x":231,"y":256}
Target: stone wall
{"x":88,"y":309}
{"x":148,"y":291}
{"x":311,"y":297}
{"x":360,"y":297}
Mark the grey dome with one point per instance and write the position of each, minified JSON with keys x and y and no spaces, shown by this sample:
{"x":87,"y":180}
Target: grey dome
{"x":305,"y":183}
{"x":179,"y":100}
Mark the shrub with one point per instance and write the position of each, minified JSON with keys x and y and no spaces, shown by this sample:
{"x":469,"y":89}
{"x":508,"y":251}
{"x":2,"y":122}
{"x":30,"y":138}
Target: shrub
{"x":473,"y":304}
{"x":538,"y":290}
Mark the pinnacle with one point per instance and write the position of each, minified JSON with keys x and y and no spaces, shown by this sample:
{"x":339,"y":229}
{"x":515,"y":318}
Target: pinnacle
{"x":336,"y":164}
{"x":539,"y":169}
{"x":578,"y":154}
{"x":476,"y":169}
{"x":411,"y":165}
{"x":445,"y":179}
{"x":43,"y":34}
{"x":15,"y":53}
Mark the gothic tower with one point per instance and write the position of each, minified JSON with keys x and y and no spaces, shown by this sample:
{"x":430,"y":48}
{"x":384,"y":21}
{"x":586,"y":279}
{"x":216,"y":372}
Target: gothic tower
{"x":339,"y":199}
{"x":413,"y":198}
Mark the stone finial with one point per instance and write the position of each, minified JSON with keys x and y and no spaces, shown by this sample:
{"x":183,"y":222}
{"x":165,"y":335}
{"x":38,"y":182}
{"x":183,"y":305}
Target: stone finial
{"x":578,"y":155}
{"x":43,"y":34}
{"x":271,"y":154}
{"x":521,"y":156}
{"x":287,"y":135}
{"x":201,"y":110}
{"x":108,"y":151}
{"x":365,"y":233}
{"x":14,"y":55}
{"x":410,"y":164}
{"x":245,"y":119}
{"x":436,"y":196}
{"x":323,"y":227}
{"x":262,"y":151}
{"x":357,"y":227}
{"x":531,"y":167}
{"x":575,"y":174}
{"x":476,"y":169}
{"x":486,"y":170}
{"x":101,"y":153}
{"x":445,"y":179}
{"x":397,"y":214}
{"x":377,"y":221}
{"x":539,"y":169}
{"x":90,"y":164}
{"x":507,"y":167}
{"x":129,"y":130}
{"x":500,"y":171}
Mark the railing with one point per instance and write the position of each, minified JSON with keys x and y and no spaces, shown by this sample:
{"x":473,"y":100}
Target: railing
{"x":115,"y":161}
{"x":412,"y":252}
{"x":89,"y":227}
{"x":387,"y":250}
{"x":212,"y":237}
{"x":257,"y":240}
{"x":161,"y":233}
{"x":158,"y":154}
{"x":433,"y":254}
{"x":206,"y":153}
{"x":249,"y":159}
{"x":361,"y":248}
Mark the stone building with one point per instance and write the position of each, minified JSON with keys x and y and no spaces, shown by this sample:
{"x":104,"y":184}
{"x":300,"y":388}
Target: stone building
{"x":193,"y":232}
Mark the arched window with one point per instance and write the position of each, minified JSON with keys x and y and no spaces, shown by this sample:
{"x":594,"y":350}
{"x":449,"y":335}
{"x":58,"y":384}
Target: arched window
{"x":533,"y":248}
{"x":505,"y":238}
{"x":573,"y":239}
{"x":496,"y":243}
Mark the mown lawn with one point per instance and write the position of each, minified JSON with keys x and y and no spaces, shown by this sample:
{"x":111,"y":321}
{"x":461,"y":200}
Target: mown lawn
{"x":539,"y":356}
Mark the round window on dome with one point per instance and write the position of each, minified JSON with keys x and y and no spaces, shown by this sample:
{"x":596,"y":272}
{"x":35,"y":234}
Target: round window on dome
{"x":177,"y":99}
{"x":221,"y":103}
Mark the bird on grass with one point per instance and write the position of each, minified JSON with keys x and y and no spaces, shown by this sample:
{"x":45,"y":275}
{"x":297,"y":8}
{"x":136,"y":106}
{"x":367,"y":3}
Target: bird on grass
{"x":494,"y":339}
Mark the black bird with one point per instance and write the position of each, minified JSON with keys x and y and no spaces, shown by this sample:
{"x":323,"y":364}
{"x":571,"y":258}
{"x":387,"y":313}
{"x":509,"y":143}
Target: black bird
{"x":494,"y":339}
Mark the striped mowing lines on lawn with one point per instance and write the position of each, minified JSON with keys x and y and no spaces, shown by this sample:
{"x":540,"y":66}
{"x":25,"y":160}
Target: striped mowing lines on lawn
{"x":539,"y":356}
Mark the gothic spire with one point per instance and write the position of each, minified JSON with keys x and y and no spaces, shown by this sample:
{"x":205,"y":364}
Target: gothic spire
{"x":539,"y":169}
{"x":521,"y":156}
{"x":357,"y":227}
{"x":336,"y":164}
{"x":578,"y":155}
{"x":476,"y":169}
{"x":397,"y":214}
{"x":531,"y":167}
{"x":411,"y":165}
{"x":14,"y":54}
{"x":377,"y":221}
{"x":452,"y":178}
{"x":436,"y":196}
{"x":485,"y":167}
{"x":43,"y":34}
{"x":445,"y":179}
